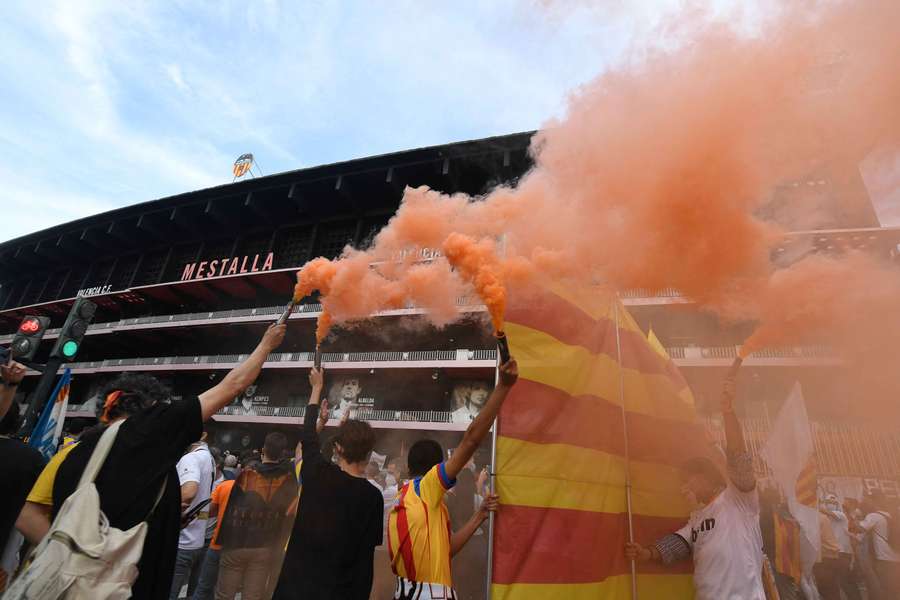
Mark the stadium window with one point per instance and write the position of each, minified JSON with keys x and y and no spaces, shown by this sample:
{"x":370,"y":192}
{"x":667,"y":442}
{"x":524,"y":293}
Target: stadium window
{"x":73,"y":282}
{"x":257,"y":244}
{"x":292,"y":246}
{"x":150,"y":268}
{"x":333,"y":237}
{"x":123,"y":272}
{"x":183,"y":254}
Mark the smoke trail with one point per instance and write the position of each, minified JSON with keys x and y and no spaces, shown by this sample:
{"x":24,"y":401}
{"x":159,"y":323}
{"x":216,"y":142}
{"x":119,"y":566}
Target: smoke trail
{"x":477,"y":263}
{"x":660,"y":174}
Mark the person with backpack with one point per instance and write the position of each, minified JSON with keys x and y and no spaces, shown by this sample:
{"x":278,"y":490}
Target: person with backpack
{"x":882,"y":527}
{"x":256,"y":524}
{"x":130,"y":482}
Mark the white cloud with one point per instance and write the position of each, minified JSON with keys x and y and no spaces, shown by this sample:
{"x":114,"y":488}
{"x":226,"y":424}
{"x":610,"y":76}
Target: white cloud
{"x":174,"y":73}
{"x":109,"y":103}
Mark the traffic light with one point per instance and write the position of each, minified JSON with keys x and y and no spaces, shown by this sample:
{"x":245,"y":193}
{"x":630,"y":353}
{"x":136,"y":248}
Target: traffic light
{"x":28,"y":337}
{"x":73,"y":330}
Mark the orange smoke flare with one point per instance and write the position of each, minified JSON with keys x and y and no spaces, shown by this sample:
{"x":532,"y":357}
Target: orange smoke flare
{"x":323,"y":326}
{"x":477,"y":263}
{"x":317,"y":274}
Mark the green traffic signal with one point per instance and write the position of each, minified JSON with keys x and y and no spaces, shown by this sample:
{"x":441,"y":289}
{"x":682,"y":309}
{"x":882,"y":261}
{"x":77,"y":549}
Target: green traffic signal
{"x":70,"y":348}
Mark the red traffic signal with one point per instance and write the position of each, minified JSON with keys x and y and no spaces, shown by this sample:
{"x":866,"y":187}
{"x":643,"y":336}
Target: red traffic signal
{"x":30,"y":325}
{"x":28,"y":337}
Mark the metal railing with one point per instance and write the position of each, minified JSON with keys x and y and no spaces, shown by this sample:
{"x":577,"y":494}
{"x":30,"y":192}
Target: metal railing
{"x":730,"y":352}
{"x":362,"y":414}
{"x":439,"y":356}
{"x":840,"y":450}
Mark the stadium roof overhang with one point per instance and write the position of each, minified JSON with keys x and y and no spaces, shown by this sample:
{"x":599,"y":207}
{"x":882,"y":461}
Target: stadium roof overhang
{"x":364,"y":186}
{"x":206,"y":292}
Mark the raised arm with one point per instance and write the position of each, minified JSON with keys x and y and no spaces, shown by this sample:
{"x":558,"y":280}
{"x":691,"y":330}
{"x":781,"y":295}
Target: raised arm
{"x":740,"y":463}
{"x":237,"y":380}
{"x":734,"y":435}
{"x":481,"y":425}
{"x":310,"y":434}
{"x":10,"y":377}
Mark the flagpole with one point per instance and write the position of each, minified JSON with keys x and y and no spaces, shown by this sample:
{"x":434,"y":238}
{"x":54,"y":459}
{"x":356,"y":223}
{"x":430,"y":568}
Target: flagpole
{"x":489,"y":575}
{"x":634,"y":593}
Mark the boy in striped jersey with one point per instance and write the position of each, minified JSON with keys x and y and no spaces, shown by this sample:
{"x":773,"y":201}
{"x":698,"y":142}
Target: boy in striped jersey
{"x":419,"y":537}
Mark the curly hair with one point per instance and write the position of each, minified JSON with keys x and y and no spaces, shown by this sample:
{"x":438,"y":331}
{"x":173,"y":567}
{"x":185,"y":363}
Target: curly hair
{"x":139,"y":391}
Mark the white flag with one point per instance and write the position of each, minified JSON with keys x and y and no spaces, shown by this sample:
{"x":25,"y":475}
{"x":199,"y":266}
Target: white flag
{"x":790,"y":453}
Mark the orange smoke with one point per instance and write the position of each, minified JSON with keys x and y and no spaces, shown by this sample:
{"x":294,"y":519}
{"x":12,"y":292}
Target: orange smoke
{"x":850,"y":303}
{"x":323,"y":326}
{"x":478,"y":265}
{"x":670,"y":170}
{"x":317,"y":274}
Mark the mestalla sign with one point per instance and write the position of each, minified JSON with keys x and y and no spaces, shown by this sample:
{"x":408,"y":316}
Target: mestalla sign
{"x":234,"y":265}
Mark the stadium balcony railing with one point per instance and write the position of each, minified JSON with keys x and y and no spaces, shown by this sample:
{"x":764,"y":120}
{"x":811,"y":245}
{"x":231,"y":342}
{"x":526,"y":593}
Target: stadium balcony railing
{"x":843,"y":450}
{"x":481,"y":358}
{"x":789,"y":355}
{"x":303,"y":311}
{"x":344,"y":360}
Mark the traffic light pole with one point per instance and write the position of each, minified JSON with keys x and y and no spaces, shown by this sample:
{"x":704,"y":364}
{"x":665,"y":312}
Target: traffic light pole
{"x":40,"y":395}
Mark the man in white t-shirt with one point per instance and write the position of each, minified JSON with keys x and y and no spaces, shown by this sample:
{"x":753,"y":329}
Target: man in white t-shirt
{"x":843,"y":574}
{"x":722,"y":536}
{"x":196,"y":472}
{"x":887,"y":559}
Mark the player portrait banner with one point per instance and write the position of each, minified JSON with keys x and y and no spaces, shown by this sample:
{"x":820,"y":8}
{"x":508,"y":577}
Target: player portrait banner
{"x":560,"y":454}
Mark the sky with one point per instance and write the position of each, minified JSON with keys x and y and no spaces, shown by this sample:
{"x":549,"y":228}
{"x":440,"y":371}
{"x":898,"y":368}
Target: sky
{"x":107,"y":104}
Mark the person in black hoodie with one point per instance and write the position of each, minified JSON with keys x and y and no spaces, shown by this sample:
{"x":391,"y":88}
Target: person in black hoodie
{"x":256,"y":524}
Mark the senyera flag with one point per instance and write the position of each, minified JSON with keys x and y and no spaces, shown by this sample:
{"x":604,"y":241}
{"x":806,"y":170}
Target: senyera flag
{"x":45,"y":436}
{"x":561,"y":453}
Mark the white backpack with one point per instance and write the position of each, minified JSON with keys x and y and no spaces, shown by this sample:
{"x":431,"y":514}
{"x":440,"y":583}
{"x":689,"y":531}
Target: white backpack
{"x":82,"y":557}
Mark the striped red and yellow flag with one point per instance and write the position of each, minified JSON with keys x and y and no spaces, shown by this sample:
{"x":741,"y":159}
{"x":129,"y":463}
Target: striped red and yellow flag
{"x":560,"y":454}
{"x":787,"y":547}
{"x":807,"y":485}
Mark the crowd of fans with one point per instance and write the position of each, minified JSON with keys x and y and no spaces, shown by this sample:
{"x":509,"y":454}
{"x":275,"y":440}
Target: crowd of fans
{"x":335,"y":520}
{"x":312,"y":523}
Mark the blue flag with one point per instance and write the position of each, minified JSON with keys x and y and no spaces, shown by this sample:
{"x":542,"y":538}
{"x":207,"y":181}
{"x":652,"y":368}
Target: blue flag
{"x":45,"y":436}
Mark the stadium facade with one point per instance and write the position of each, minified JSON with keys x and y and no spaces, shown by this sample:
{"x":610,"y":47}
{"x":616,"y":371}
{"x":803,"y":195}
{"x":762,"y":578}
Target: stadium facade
{"x":186,"y":284}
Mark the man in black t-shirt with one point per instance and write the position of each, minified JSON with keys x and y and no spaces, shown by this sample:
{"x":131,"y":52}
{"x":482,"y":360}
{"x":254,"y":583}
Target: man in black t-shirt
{"x":339,"y":523}
{"x":20,"y":466}
{"x":142,"y":459}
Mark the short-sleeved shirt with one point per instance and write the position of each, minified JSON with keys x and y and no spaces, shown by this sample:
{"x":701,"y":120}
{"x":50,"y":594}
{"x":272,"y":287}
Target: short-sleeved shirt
{"x":197,"y":467}
{"x":20,"y":467}
{"x":726,"y":544}
{"x":332,"y":547}
{"x":876,"y":523}
{"x":145,"y":452}
{"x":42,"y":491}
{"x":220,"y":497}
{"x":419,"y":529}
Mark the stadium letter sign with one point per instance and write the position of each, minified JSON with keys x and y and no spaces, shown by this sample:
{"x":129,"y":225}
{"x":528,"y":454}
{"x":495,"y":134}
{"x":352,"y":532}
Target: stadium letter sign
{"x":235,"y":265}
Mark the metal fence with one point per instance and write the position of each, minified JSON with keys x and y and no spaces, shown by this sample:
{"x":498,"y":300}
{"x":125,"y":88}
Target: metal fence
{"x":840,"y":450}
{"x":362,"y":413}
